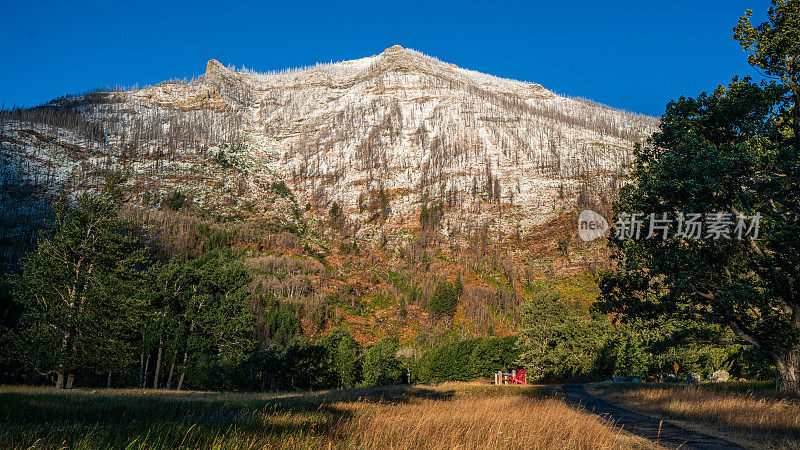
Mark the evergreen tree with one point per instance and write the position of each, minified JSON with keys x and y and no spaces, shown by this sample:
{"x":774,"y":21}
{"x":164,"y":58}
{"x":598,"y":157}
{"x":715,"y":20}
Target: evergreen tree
{"x":380,"y":364}
{"x":342,"y":358}
{"x":346,"y":362}
{"x":444,"y":300}
{"x":72,"y":291}
{"x":558,"y":340}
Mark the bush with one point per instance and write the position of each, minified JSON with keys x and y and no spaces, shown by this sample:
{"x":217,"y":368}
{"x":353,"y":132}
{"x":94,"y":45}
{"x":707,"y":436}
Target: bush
{"x":176,"y":200}
{"x":447,"y":362}
{"x":280,"y":189}
{"x":467,"y":360}
{"x":492,"y":354}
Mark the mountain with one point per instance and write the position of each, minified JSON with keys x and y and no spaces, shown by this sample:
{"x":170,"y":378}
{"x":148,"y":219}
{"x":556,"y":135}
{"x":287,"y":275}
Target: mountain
{"x":387,"y":155}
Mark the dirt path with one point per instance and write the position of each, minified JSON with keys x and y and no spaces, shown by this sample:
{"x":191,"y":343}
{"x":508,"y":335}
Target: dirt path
{"x":668,"y":435}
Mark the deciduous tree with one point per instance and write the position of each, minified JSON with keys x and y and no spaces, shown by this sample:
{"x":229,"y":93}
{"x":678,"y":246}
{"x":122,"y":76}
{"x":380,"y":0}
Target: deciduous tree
{"x":736,"y":150}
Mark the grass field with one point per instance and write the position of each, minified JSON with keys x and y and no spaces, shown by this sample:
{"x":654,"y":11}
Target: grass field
{"x":747,"y":413}
{"x":451,"y":415}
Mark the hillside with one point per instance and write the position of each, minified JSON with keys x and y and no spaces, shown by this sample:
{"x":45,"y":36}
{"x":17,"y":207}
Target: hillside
{"x":355,"y":188}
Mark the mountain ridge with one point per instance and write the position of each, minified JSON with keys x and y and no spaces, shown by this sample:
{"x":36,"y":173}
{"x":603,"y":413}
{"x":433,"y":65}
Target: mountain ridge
{"x":372,"y":164}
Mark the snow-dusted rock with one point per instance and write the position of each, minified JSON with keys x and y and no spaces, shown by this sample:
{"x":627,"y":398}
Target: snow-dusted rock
{"x":499,"y":152}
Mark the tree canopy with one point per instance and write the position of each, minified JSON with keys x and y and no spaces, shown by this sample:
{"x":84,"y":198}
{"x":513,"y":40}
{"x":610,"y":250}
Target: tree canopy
{"x":734,"y":151}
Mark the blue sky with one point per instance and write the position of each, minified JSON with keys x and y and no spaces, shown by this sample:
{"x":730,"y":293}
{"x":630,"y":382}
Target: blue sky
{"x":635,"y":55}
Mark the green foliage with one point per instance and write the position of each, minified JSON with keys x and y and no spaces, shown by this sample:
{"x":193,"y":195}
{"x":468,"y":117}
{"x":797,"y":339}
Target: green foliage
{"x":467,"y":360}
{"x":335,"y":211}
{"x":444,"y":300}
{"x":73,"y":291}
{"x":333,"y":361}
{"x":280,"y":321}
{"x":176,"y":200}
{"x":92,"y":302}
{"x":227,"y":159}
{"x":222,"y":159}
{"x":630,"y":359}
{"x":557,"y":339}
{"x":343,"y":358}
{"x":748,"y":363}
{"x":280,"y":189}
{"x":734,"y":151}
{"x":380,"y":365}
{"x":213,"y":237}
{"x":447,"y":362}
{"x":493,"y":353}
{"x":112,"y":186}
{"x":201,"y":310}
{"x":773,"y":45}
{"x":430,"y":217}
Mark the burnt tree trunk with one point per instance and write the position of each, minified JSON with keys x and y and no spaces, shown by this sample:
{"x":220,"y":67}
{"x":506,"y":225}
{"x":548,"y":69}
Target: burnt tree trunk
{"x":171,"y":369}
{"x":146,"y":368}
{"x":158,"y":363}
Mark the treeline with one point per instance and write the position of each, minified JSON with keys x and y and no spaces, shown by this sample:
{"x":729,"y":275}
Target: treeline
{"x":93,"y":302}
{"x":90,"y":298}
{"x":561,"y":340}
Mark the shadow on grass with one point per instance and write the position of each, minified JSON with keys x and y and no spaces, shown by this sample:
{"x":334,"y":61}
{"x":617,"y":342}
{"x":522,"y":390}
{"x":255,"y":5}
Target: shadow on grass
{"x":165,"y":420}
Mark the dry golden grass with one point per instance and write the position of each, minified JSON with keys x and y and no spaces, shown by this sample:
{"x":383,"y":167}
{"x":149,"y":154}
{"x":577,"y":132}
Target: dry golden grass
{"x":741,"y":412}
{"x":477,"y":421}
{"x":452,"y":415}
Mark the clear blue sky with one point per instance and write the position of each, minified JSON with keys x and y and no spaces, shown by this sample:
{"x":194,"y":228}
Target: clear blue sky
{"x":634,"y":55}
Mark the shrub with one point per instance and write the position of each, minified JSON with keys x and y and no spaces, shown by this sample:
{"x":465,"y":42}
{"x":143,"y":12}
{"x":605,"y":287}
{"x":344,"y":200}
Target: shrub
{"x":176,"y":200}
{"x":467,"y":360}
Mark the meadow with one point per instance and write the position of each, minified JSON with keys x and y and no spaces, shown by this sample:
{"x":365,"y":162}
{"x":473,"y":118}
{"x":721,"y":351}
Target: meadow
{"x":448,"y":415}
{"x":750,"y":414}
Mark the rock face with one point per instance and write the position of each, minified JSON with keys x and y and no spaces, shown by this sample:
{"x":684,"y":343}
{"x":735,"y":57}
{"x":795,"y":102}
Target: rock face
{"x":720,"y":376}
{"x":216,"y":72}
{"x":390,"y":129}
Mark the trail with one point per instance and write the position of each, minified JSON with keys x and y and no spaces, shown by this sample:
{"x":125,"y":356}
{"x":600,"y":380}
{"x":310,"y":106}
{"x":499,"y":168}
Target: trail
{"x":669,"y":435}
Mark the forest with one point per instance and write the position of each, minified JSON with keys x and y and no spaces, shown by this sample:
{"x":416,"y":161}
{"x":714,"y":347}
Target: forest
{"x":96,"y":303}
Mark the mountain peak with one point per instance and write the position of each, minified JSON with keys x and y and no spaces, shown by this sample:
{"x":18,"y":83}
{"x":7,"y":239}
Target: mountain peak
{"x":215,"y":71}
{"x":393,"y":49}
{"x":214,"y":65}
